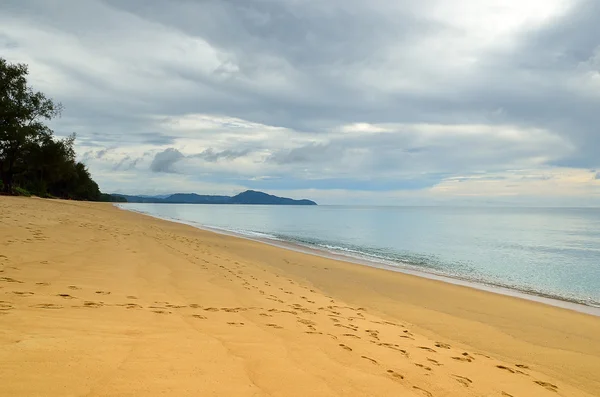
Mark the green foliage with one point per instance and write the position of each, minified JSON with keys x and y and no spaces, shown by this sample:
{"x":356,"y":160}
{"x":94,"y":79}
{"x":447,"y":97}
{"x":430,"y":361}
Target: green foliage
{"x":31,"y":158}
{"x":17,"y":191}
{"x":110,"y":198}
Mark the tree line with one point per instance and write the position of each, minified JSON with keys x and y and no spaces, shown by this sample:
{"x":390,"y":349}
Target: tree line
{"x":32,"y":159}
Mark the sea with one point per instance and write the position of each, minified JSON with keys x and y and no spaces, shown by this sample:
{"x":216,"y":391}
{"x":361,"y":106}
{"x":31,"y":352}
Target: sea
{"x":548,"y":254}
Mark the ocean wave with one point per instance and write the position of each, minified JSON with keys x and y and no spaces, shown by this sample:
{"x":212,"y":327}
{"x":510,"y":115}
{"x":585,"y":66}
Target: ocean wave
{"x":242,"y":232}
{"x":424,"y":265}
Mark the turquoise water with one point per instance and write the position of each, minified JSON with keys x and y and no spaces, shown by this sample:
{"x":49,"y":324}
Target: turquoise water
{"x":544,"y":251}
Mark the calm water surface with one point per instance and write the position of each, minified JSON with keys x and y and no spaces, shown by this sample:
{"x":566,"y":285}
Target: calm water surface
{"x":545,"y":251}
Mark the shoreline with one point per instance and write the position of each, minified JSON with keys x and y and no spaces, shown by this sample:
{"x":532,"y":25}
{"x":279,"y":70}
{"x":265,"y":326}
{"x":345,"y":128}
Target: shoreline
{"x":533,"y":296}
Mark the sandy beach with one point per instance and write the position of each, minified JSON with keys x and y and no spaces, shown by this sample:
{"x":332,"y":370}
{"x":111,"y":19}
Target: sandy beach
{"x":97,"y":301}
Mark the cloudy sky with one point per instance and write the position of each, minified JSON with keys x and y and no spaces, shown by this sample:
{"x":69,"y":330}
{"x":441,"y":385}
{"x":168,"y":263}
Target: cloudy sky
{"x":341,"y":101}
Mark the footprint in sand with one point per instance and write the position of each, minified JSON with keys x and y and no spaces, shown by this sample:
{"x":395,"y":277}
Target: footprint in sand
{"x":512,"y":371}
{"x":435,"y":362}
{"x":442,"y":345}
{"x":131,"y":297}
{"x":391,"y":346}
{"x":47,"y":306}
{"x":383,"y":322}
{"x":423,"y":366}
{"x":66,"y":296}
{"x":42,"y":284}
{"x":348,"y":348}
{"x":235,"y":324}
{"x":274,"y":326}
{"x":5,"y":306}
{"x":73,"y":287}
{"x":92,"y":304}
{"x":462,"y":380}
{"x":10,"y":280}
{"x":369,"y":359}
{"x":313,"y":332}
{"x":22,"y":293}
{"x":465,"y":359}
{"x":198,"y":316}
{"x":373,"y":333}
{"x":161,"y":312}
{"x":103,"y":292}
{"x":306,"y":322}
{"x":350,"y":327}
{"x":547,"y":386}
{"x":233,"y":309}
{"x":429,"y":349}
{"x":425,"y":392}
{"x":395,"y":374}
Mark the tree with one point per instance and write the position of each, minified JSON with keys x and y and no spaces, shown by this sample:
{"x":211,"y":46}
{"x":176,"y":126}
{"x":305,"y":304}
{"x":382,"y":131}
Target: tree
{"x":32,"y":160}
{"x":46,"y":165}
{"x":22,"y":111}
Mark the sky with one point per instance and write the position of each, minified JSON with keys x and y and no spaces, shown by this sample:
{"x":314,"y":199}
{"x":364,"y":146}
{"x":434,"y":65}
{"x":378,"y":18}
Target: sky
{"x":390,"y":102}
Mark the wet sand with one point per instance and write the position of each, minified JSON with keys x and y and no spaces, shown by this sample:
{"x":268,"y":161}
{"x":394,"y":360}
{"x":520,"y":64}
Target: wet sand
{"x":98,"y":301}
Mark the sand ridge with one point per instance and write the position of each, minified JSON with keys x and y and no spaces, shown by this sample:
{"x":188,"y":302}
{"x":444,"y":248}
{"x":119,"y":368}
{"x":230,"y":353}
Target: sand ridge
{"x":97,"y":301}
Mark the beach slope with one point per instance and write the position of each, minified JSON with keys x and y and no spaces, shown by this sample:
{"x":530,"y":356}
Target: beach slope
{"x":97,"y":301}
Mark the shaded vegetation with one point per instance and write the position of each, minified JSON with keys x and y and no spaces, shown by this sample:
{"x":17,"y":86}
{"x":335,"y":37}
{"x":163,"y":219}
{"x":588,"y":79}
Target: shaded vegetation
{"x":32,"y":160}
{"x":113,"y":198}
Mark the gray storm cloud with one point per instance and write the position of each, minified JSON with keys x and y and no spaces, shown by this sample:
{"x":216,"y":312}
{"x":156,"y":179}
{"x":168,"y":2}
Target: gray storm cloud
{"x":165,"y":160}
{"x":212,"y":155}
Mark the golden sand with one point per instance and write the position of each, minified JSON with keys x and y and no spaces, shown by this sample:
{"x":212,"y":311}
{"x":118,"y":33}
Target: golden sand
{"x":96,"y":301}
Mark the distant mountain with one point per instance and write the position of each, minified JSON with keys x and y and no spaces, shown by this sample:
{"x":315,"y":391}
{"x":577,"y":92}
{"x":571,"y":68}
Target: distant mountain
{"x":138,"y":199}
{"x":193,"y":198}
{"x":254,"y":197}
{"x":247,"y":197}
